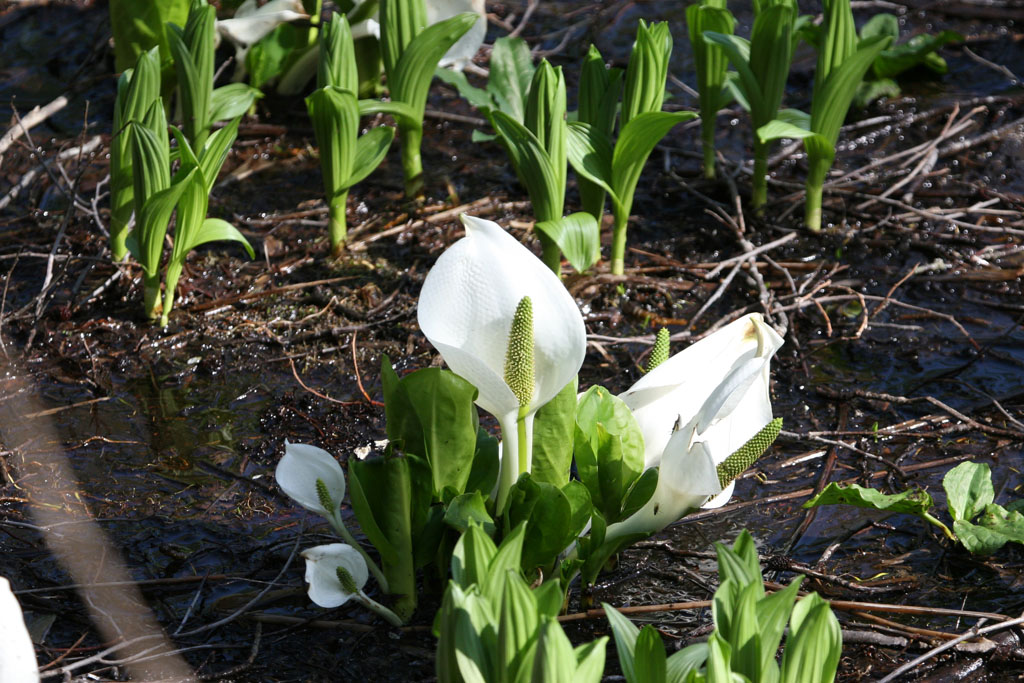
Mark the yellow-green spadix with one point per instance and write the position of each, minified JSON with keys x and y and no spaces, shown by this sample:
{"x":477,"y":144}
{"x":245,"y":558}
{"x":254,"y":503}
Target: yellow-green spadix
{"x":467,"y":308}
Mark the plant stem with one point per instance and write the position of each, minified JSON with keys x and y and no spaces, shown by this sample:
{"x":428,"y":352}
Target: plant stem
{"x":708,"y":145}
{"x":378,"y":609}
{"x":524,"y":442}
{"x":151,"y":295}
{"x":337,"y":224}
{"x":119,"y":217}
{"x":759,"y":193}
{"x":619,"y":241}
{"x":412,"y":163}
{"x":816,"y":172}
{"x":170,"y":284}
{"x":340,"y":529}
{"x":592,"y":198}
{"x":551,"y":255}
{"x":945,"y":529}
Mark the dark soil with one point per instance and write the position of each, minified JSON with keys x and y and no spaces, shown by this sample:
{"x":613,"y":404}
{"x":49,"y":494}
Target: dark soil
{"x":904,"y":353}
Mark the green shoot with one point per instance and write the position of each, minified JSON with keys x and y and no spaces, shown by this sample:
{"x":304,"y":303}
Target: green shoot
{"x":642,"y":126}
{"x":762,"y":65}
{"x":137,"y":90}
{"x":842,"y":63}
{"x":599,"y":93}
{"x":411,"y":53}
{"x":711,"y":63}
{"x":345,"y":157}
{"x":537,"y":148}
{"x":193,"y":50}
{"x":195,"y":177}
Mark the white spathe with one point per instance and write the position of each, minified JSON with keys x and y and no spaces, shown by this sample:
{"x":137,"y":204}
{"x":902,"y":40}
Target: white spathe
{"x":463,"y":51}
{"x":298,"y":471}
{"x":718,"y":389}
{"x":251,"y":23}
{"x":322,"y":564}
{"x":17,"y":655}
{"x":466,"y":307}
{"x":673,"y":392}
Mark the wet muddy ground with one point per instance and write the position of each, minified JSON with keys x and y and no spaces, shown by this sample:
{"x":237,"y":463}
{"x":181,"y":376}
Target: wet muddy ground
{"x":904,"y":352}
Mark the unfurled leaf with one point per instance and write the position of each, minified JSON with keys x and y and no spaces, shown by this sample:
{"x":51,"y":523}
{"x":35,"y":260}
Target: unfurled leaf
{"x":577,"y":236}
{"x":911,"y":502}
{"x":968,"y":489}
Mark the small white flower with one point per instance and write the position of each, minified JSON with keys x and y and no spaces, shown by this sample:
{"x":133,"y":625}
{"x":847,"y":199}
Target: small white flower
{"x":322,"y":563}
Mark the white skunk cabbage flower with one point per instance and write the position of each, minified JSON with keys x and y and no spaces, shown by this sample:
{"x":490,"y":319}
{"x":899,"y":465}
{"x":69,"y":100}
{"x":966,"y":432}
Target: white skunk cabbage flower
{"x":674,"y":391}
{"x":251,"y":23}
{"x":463,"y":51}
{"x":467,"y":306}
{"x":730,"y":375}
{"x":322,"y":563}
{"x":299,"y":472}
{"x":17,"y":655}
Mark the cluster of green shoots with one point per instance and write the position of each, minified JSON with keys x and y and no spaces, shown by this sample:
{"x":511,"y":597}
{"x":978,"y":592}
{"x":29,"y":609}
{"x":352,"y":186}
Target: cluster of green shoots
{"x":493,"y":626}
{"x":141,"y":157}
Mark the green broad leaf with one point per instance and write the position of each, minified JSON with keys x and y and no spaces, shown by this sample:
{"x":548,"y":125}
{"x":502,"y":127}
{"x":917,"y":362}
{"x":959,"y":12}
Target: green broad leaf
{"x":599,"y":92}
{"x":545,"y":113}
{"x":880,"y":25}
{"x":554,"y":517}
{"x":1006,"y":522}
{"x":577,"y":235}
{"x":640,"y":492}
{"x":837,"y":42}
{"x":590,"y":661}
{"x":186,"y":155}
{"x":832,"y":100}
{"x":402,"y":112}
{"x":477,"y":97}
{"x":626,"y":635}
{"x":636,"y":142}
{"x":978,"y":539}
{"x":508,"y":558}
{"x":869,"y":91}
{"x":232,"y":100}
{"x":708,"y":57}
{"x":690,"y":659}
{"x":139,"y":25}
{"x":609,"y":448}
{"x":553,"y":427}
{"x":968,"y":489}
{"x":299,"y":66}
{"x":381,"y":493}
{"x":400,"y":22}
{"x":151,"y":226}
{"x":549,"y":597}
{"x":773,"y":612}
{"x":742,"y":631}
{"x":371,"y":148}
{"x":410,"y":79}
{"x":472,"y":640}
{"x":431,"y":413}
{"x":518,"y":625}
{"x":740,"y":563}
{"x":814,"y":644}
{"x":743,"y":82}
{"x":918,"y":51}
{"x":337,"y":58}
{"x":911,"y":502}
{"x":191,"y":89}
{"x":151,"y":170}
{"x":644,"y":88}
{"x":795,"y":117}
{"x":649,"y":662}
{"x":486,"y":464}
{"x":218,"y":230}
{"x":335,"y":115}
{"x":215,"y":152}
{"x":771,"y":51}
{"x":429,"y":531}
{"x":533,"y":166}
{"x":555,"y":661}
{"x":266,"y":59}
{"x":472,"y":557}
{"x":590,"y":154}
{"x":191,"y":213}
{"x":719,"y":661}
{"x":466,"y":508}
{"x":511,"y":74}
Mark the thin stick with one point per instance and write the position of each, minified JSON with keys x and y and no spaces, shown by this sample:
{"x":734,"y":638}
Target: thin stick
{"x":30,"y":120}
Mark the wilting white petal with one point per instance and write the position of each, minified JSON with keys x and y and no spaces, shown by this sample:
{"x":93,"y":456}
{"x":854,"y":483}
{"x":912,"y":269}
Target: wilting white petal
{"x":17,"y":655}
{"x":466,"y":307}
{"x":463,"y":51}
{"x":250,"y":23}
{"x":322,"y":564}
{"x":682,"y":385}
{"x":298,"y":471}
